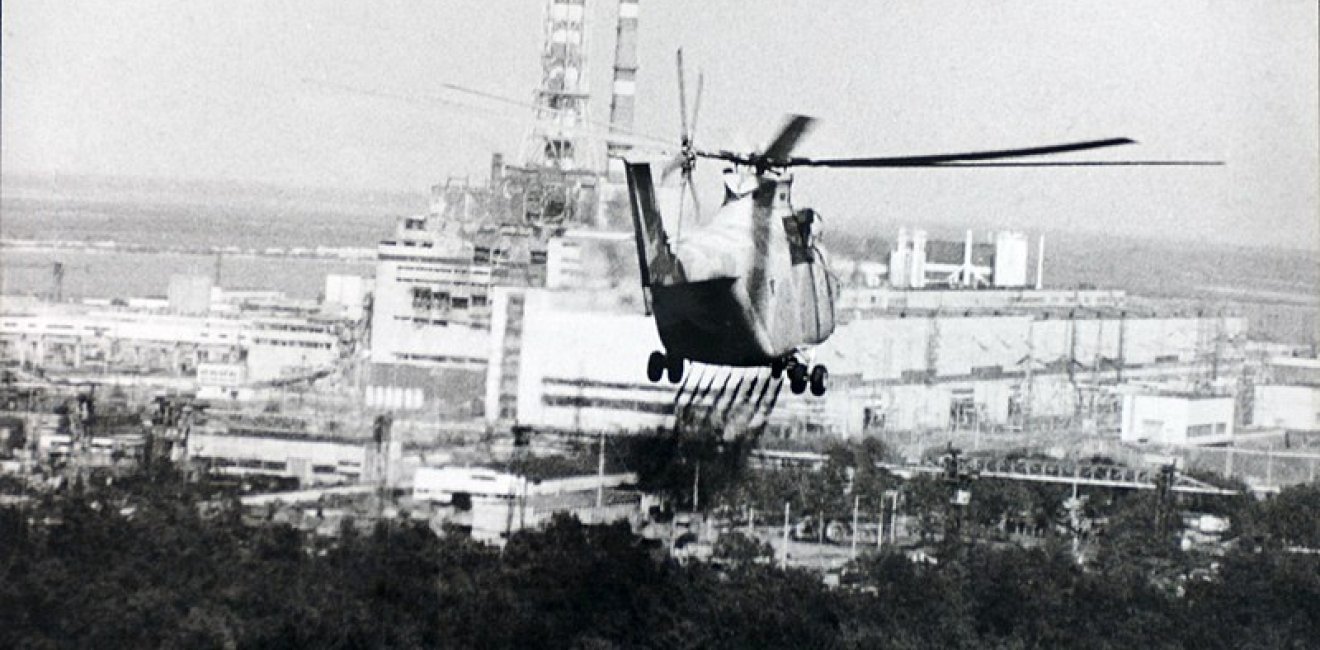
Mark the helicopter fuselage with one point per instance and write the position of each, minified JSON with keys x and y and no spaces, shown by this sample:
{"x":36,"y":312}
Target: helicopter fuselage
{"x":749,"y":288}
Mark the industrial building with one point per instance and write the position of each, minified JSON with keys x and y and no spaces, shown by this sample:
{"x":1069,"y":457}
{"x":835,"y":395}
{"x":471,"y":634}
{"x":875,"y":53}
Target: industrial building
{"x":495,"y":503}
{"x":917,"y":262}
{"x":565,"y":360}
{"x":90,"y":340}
{"x":1290,"y":398}
{"x":1178,"y":418}
{"x":540,"y":221}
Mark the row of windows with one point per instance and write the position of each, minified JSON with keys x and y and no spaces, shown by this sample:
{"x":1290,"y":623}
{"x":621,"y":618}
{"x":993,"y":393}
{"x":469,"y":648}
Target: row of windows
{"x":289,"y":327}
{"x":316,"y":345}
{"x":1202,"y":430}
{"x":438,"y":358}
{"x":428,"y":298}
{"x":462,"y":270}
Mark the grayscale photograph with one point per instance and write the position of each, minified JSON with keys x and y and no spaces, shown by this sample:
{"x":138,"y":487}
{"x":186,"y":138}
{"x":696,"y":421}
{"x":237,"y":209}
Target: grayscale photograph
{"x":659,"y":324}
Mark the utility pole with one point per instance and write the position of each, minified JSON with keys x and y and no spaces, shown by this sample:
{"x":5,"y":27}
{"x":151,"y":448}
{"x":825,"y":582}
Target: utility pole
{"x":696,"y":488}
{"x":600,"y":475}
{"x":783,"y":561}
{"x":893,"y":521}
{"x":857,"y":502}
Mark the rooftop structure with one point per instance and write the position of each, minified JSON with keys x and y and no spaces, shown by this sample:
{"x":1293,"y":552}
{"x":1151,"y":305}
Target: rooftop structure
{"x":1178,"y":418}
{"x":917,"y":262}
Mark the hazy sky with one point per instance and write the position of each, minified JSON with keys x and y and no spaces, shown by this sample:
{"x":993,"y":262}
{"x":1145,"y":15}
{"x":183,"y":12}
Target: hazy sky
{"x":216,"y":90}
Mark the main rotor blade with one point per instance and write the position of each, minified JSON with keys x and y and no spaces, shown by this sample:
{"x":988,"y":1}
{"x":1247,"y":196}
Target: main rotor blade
{"x":1089,"y":163}
{"x":696,"y":104}
{"x":597,"y":130}
{"x":784,"y":143}
{"x":943,"y":159}
{"x":692,"y":189}
{"x":615,"y":130}
{"x":682,"y":99}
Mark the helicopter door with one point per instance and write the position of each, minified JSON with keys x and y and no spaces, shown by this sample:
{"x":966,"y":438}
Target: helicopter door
{"x":822,"y":296}
{"x":797,"y":227}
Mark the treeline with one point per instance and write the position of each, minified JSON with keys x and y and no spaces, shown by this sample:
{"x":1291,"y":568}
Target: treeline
{"x":135,"y":565}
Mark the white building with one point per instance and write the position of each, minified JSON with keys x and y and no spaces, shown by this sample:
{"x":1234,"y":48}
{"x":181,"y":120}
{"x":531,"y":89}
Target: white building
{"x":346,"y":295}
{"x":190,"y":294}
{"x":1010,"y":262}
{"x":287,"y":348}
{"x":496,"y":503}
{"x":311,"y":459}
{"x":917,"y":262}
{"x":430,"y":324}
{"x":1177,"y":419}
{"x":558,"y":360}
{"x":1287,"y":407}
{"x":58,"y":337}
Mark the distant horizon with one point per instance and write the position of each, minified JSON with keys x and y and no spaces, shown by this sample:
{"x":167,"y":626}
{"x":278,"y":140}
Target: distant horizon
{"x":943,"y":226}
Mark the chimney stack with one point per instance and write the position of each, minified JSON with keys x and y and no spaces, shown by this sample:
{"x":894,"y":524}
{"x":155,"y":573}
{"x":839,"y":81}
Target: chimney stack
{"x":625,"y":85}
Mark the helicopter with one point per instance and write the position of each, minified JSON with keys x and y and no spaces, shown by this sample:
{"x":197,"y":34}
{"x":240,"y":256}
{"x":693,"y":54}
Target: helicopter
{"x":751,"y":286}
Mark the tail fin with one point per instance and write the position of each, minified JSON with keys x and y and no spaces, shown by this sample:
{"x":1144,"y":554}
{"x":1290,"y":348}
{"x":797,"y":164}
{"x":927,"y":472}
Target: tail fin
{"x":654,"y":258}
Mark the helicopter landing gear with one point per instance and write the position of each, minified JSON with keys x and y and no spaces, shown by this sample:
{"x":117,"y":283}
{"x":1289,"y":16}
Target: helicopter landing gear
{"x":674,"y":369}
{"x":655,"y":366}
{"x":777,"y":368}
{"x":800,"y":378}
{"x":797,"y":378}
{"x":660,"y":365}
{"x":819,"y":375}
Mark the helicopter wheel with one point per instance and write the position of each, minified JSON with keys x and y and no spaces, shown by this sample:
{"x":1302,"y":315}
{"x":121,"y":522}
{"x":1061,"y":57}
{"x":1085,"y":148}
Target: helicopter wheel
{"x":819,"y":375}
{"x":655,"y":366}
{"x":777,"y":368}
{"x":797,"y":378}
{"x":674,"y":369}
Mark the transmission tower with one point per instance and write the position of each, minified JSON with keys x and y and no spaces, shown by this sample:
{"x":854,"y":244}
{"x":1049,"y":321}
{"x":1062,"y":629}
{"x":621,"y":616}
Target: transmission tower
{"x":557,"y":139}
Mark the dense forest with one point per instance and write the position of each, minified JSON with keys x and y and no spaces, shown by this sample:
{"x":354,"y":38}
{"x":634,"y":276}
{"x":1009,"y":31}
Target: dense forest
{"x":136,"y":565}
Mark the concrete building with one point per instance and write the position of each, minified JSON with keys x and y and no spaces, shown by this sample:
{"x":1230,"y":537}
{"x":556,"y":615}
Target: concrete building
{"x":1290,"y":396}
{"x":497,"y":503}
{"x":97,"y":340}
{"x":284,"y":348}
{"x":311,"y":459}
{"x":1293,"y":371}
{"x":858,"y":302}
{"x":917,"y":262}
{"x":189,"y":294}
{"x":1010,"y":262}
{"x":346,"y":295}
{"x":558,"y":360}
{"x":1177,"y":418}
{"x":431,"y":312}
{"x":1286,"y":407}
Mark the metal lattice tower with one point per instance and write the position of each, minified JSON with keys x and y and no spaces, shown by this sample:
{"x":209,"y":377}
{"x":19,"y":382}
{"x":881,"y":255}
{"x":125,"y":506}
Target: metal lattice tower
{"x":557,"y":139}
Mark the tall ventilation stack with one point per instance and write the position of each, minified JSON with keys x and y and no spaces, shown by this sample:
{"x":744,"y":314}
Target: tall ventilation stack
{"x":625,"y":86}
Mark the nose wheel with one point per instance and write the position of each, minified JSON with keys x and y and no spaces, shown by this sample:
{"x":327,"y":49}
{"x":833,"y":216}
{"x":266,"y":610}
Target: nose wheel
{"x":660,"y":365}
